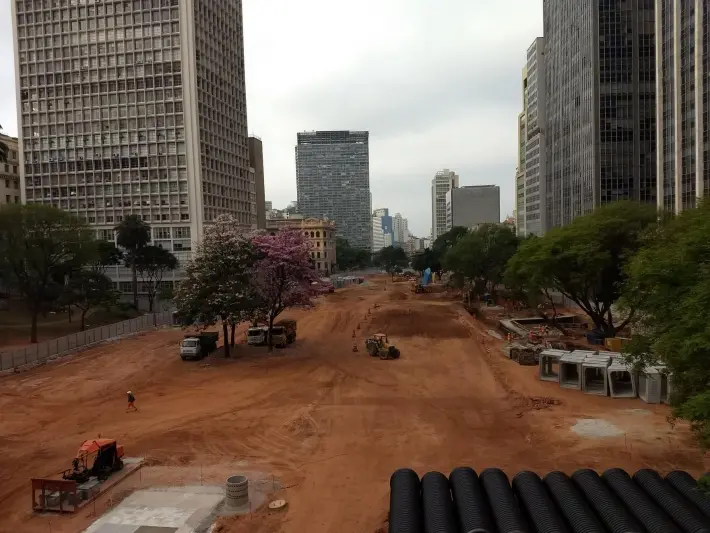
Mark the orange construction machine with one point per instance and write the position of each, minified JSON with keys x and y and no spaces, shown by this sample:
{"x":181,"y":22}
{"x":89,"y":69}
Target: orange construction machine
{"x":104,"y":456}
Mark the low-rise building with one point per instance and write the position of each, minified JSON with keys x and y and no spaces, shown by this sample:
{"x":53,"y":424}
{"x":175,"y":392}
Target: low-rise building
{"x":10,"y":173}
{"x":320,"y":232}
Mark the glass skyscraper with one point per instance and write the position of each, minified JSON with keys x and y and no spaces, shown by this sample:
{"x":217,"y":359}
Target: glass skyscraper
{"x":333,"y":181}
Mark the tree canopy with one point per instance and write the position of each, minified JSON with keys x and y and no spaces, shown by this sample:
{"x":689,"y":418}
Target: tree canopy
{"x":349,"y":258}
{"x":477,"y":259}
{"x":668,"y":287}
{"x":585,"y":260}
{"x":40,"y":246}
{"x":152,"y":263}
{"x":391,"y":258}
{"x":132,"y":234}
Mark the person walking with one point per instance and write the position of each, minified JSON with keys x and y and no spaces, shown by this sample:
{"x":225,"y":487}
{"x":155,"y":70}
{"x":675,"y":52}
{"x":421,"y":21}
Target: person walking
{"x":131,"y":402}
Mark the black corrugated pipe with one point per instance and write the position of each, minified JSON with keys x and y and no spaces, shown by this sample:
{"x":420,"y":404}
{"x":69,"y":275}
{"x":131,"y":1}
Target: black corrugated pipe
{"x":470,"y":501}
{"x":688,"y":487}
{"x":683,"y":513}
{"x":636,"y":501}
{"x":438,"y":506}
{"x":572,"y":504}
{"x":502,"y":501}
{"x":406,"y":514}
{"x":605,"y":503}
{"x":537,"y":504}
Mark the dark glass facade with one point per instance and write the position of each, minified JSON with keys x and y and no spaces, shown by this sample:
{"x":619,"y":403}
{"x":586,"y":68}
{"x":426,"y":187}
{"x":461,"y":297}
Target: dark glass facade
{"x":600,"y":82}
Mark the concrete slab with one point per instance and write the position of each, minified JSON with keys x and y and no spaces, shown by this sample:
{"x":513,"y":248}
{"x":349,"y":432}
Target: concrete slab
{"x":171,"y":510}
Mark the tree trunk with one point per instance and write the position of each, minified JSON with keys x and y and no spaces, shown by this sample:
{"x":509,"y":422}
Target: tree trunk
{"x":83,"y":320}
{"x":33,"y":330}
{"x":271,"y":338}
{"x":151,"y":299}
{"x":69,"y":312}
{"x":134,"y":274}
{"x":234,"y":328}
{"x":226,"y":338}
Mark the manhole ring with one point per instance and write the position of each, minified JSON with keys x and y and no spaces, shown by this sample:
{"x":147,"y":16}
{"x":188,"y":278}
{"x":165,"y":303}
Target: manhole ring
{"x":277,"y":504}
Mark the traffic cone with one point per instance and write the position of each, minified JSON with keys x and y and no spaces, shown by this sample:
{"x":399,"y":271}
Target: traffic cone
{"x":354,"y":347}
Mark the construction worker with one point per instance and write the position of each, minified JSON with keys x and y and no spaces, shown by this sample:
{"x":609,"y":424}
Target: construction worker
{"x":131,"y":402}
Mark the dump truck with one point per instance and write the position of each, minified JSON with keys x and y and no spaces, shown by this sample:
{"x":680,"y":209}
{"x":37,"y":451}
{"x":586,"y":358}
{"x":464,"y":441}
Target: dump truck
{"x":283,"y":333}
{"x":198,"y":346}
{"x":378,"y":346}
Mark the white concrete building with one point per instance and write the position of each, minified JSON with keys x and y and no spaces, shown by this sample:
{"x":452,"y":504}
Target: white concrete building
{"x":682,"y":64}
{"x":443,"y":182}
{"x":535,"y":120}
{"x":381,"y":229}
{"x":400,"y":229}
{"x":135,"y":108}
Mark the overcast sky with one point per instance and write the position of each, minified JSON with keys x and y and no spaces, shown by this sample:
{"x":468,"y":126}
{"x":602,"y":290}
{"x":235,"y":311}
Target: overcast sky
{"x":435,"y":82}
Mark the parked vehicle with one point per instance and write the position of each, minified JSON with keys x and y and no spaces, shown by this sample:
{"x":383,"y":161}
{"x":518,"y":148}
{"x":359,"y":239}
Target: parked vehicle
{"x":198,"y":346}
{"x":283,"y":333}
{"x":256,"y":336}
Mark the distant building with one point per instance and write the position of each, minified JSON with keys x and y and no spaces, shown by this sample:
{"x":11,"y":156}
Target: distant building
{"x":400,"y":230}
{"x":10,"y":173}
{"x":381,"y":229}
{"x":535,"y":160}
{"x":321,"y":234}
{"x":472,"y":205}
{"x":520,"y":170}
{"x":443,"y":182}
{"x":333,"y":181}
{"x":268,"y":205}
{"x":256,"y":162}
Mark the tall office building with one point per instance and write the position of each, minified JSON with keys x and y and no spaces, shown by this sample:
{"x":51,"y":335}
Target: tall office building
{"x":443,"y":182}
{"x":534,"y":158}
{"x":135,"y":108}
{"x":381,"y":229}
{"x":683,"y":102}
{"x":600,"y":143}
{"x":10,"y":172}
{"x":333,"y":181}
{"x":400,"y":230}
{"x":256,"y":162}
{"x":520,"y":169}
{"x":472,"y":205}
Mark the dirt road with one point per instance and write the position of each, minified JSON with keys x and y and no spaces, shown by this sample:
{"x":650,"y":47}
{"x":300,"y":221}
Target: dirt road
{"x":330,"y":424}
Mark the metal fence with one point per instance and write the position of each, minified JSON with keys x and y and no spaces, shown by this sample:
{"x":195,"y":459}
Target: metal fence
{"x":61,"y":346}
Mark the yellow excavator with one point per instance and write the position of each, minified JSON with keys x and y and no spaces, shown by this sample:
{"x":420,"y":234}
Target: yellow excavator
{"x":378,"y":346}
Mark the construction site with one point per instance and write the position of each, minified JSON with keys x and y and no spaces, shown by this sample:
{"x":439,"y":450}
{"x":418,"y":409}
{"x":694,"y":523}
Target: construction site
{"x":382,"y":375}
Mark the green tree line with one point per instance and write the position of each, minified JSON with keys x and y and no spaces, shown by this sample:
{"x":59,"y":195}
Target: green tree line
{"x":626,"y":266}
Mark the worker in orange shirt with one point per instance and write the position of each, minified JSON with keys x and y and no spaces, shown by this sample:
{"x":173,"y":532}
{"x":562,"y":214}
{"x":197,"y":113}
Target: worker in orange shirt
{"x":131,"y":402}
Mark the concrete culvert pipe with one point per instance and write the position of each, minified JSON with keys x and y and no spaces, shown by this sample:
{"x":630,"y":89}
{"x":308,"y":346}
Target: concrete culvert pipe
{"x":470,"y":501}
{"x":678,"y":508}
{"x":406,"y":514}
{"x":537,"y":503}
{"x":237,"y":491}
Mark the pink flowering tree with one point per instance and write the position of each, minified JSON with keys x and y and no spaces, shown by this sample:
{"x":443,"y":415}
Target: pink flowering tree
{"x":283,"y":276}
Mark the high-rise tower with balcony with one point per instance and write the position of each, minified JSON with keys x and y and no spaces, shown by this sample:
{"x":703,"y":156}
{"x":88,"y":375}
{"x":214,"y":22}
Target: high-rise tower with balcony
{"x":135,"y":107}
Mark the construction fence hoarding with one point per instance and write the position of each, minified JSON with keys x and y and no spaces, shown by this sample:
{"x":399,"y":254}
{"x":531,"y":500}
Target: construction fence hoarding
{"x":51,"y":349}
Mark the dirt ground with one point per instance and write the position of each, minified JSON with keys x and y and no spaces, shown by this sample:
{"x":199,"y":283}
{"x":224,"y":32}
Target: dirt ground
{"x":329,"y":424}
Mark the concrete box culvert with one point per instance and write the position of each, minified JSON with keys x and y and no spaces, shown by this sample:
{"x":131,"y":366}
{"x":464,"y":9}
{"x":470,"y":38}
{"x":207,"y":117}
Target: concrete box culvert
{"x":237,"y":493}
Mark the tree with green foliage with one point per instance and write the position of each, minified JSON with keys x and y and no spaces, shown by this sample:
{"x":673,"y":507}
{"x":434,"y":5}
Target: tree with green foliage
{"x":39,"y":244}
{"x":349,"y":258}
{"x":107,"y":254}
{"x":585,"y":260}
{"x":391,"y":258}
{"x":132,"y":234}
{"x":152,"y":263}
{"x":478,"y":258}
{"x":445,"y":241}
{"x":431,"y":257}
{"x":668,"y":288}
{"x":88,"y":290}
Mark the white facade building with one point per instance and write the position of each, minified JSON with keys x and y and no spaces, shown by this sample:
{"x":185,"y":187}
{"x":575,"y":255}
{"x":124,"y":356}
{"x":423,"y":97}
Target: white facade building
{"x":135,"y":108}
{"x":381,"y":229}
{"x":535,"y":120}
{"x":400,"y":229}
{"x":443,"y":182}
